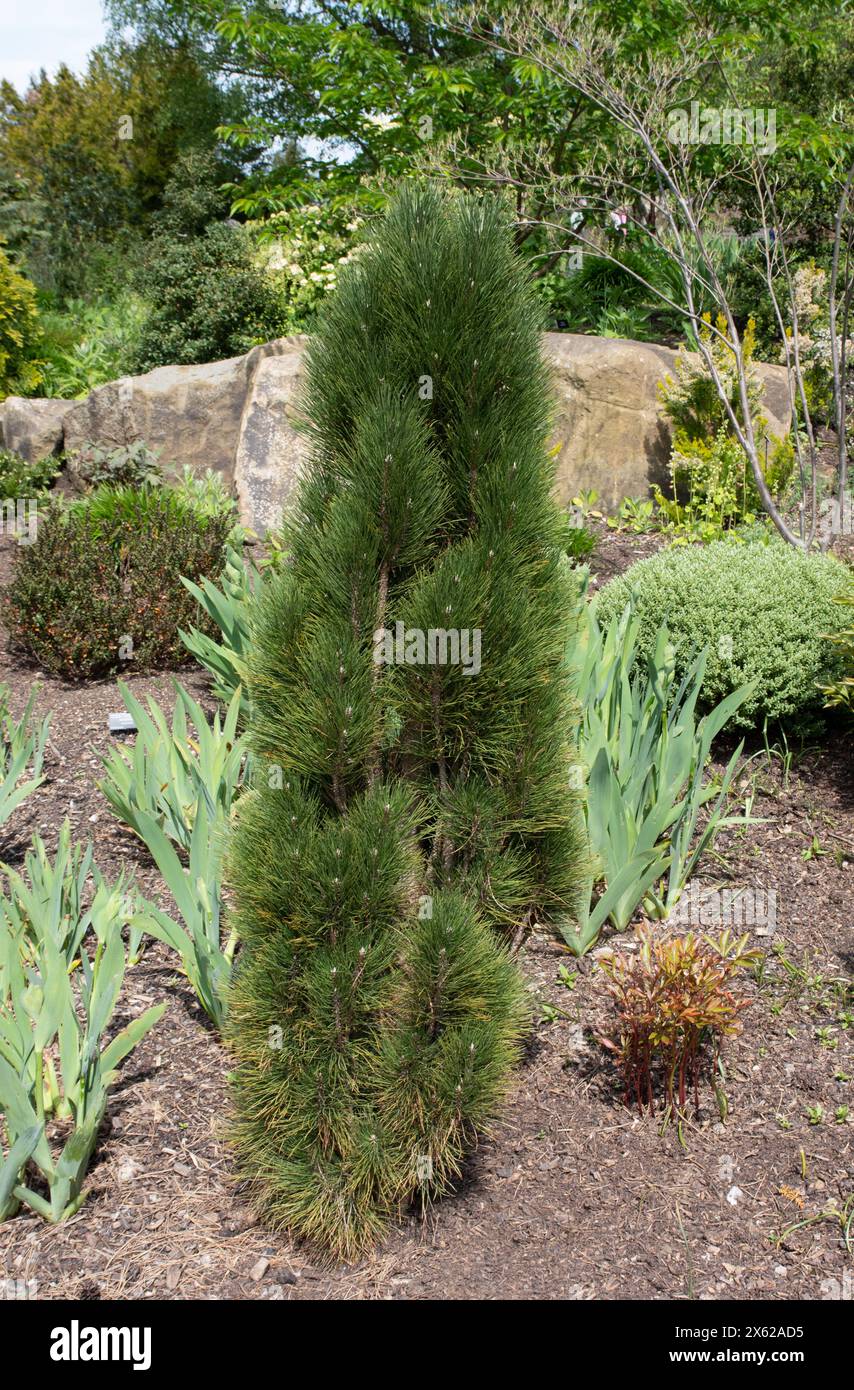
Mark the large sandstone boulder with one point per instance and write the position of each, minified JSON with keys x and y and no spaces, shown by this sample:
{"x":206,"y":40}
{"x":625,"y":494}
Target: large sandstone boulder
{"x":270,"y":451}
{"x":188,"y":414}
{"x":609,"y":427}
{"x":238,"y":417}
{"x":32,"y":426}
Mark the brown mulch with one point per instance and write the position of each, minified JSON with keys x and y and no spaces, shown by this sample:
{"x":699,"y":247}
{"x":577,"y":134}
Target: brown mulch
{"x":574,"y":1196}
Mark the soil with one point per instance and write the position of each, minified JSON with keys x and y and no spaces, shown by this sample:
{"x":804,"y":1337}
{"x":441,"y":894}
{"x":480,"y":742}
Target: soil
{"x":573,"y":1196}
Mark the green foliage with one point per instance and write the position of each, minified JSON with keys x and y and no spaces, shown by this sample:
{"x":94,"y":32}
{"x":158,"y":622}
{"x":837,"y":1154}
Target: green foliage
{"x":398,"y":811}
{"x":690,"y":399}
{"x":228,"y":607}
{"x":304,"y":250}
{"x":196,"y":889}
{"x":123,"y":466}
{"x":712,"y":484}
{"x":101,"y":588}
{"x":675,"y":1004}
{"x":86,"y":157}
{"x":85,"y":344}
{"x":760,"y":609}
{"x":20,"y":368}
{"x":177,"y":786}
{"x":714,"y":490}
{"x":646,"y":755}
{"x":192,"y":198}
{"x":580,"y":542}
{"x":19,"y":479}
{"x":206,"y":494}
{"x":22,"y":745}
{"x":622,"y":294}
{"x":841,"y":692}
{"x":397,"y":76}
{"x":168,"y":770}
{"x":210,"y":296}
{"x":57,"y":999}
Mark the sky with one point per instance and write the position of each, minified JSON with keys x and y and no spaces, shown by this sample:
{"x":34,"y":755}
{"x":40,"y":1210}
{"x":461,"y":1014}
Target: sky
{"x":38,"y":34}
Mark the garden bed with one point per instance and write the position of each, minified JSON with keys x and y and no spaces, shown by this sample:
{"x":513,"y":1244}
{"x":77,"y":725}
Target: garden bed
{"x":573,"y":1196}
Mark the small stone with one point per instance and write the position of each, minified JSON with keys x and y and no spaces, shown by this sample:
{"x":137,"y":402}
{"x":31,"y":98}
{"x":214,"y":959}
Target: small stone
{"x":259,"y":1269}
{"x":733,"y":1195}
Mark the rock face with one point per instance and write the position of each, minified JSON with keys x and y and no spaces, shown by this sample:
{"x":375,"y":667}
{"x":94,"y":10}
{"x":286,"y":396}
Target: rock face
{"x":238,"y":417}
{"x":270,"y":452}
{"x":33,"y":426}
{"x":608,"y":423}
{"x":189,"y":415}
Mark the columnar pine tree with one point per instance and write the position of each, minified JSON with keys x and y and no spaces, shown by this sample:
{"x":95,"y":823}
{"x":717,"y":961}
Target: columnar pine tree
{"x":414,"y":728}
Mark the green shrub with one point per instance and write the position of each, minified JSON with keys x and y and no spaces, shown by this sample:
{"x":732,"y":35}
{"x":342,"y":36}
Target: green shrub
{"x":86,"y":344}
{"x":20,"y":369}
{"x":304,"y":250}
{"x":760,"y":609}
{"x":712,"y":485}
{"x":21,"y":479}
{"x":210,"y":298}
{"x":101,"y":587}
{"x":400,"y":808}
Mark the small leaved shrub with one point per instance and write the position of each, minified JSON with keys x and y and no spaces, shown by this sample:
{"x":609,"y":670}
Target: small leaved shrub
{"x":210,"y":299}
{"x":760,"y":609}
{"x":675,"y":1004}
{"x":21,"y":479}
{"x":101,"y":587}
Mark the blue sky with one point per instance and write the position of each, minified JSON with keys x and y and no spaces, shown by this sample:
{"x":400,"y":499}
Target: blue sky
{"x":44,"y":33}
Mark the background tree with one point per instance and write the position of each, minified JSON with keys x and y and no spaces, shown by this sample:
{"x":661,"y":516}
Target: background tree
{"x":658,"y":174}
{"x":94,"y":153}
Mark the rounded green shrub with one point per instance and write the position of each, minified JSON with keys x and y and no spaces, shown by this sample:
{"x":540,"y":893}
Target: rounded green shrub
{"x":101,"y":589}
{"x":761,"y":609}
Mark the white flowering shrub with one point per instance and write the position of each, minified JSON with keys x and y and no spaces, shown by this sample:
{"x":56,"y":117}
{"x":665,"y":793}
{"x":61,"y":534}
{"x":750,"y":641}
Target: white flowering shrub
{"x":303,"y":250}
